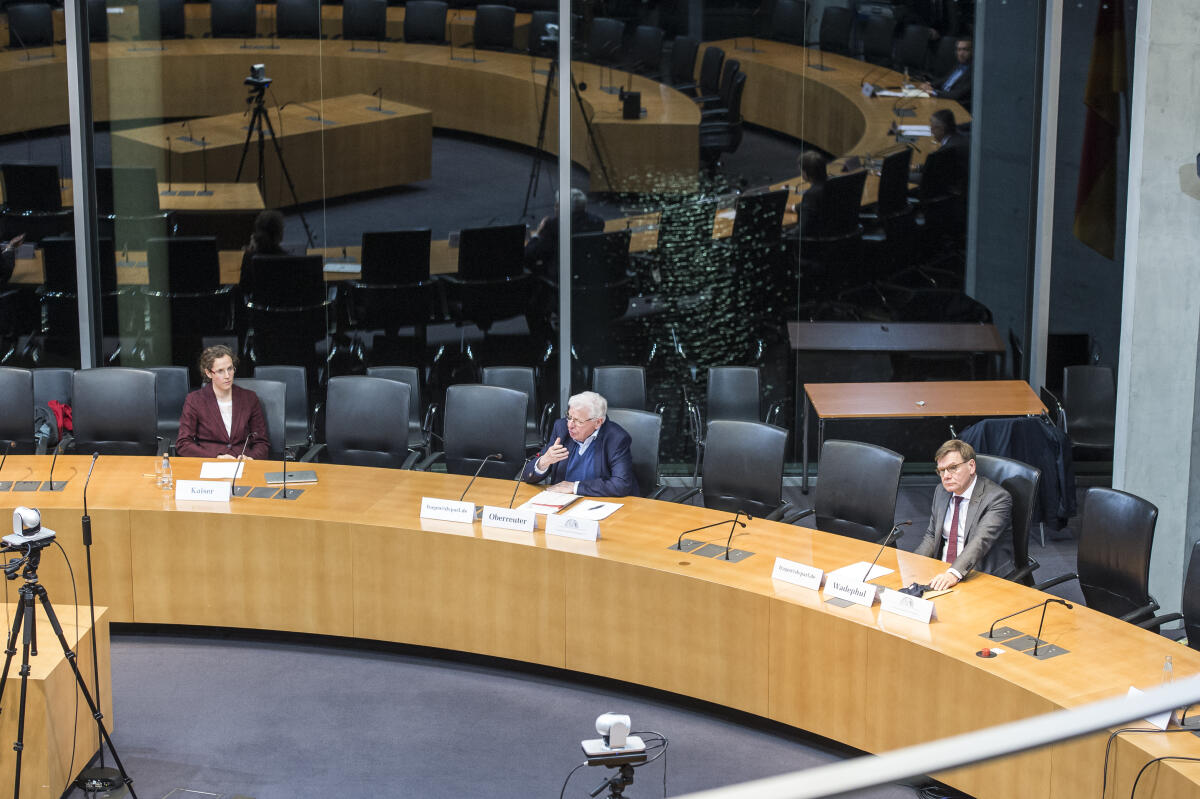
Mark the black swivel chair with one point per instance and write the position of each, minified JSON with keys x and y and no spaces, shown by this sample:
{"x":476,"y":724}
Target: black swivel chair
{"x":834,"y":35}
{"x":1116,"y":535}
{"x":287,"y":315}
{"x":1021,"y":481}
{"x":33,"y":200}
{"x":58,"y":296}
{"x":912,"y":51}
{"x":272,"y":396}
{"x":29,"y":25}
{"x":480,"y":421}
{"x":758,"y":219}
{"x":1189,"y":603}
{"x":232,"y":229}
{"x":16,"y":422}
{"x":185,"y":294}
{"x":127,"y":205}
{"x":419,"y":422}
{"x":787,"y":22}
{"x":645,"y":51}
{"x":494,"y":26}
{"x":645,"y":428}
{"x":354,"y":408}
{"x":856,"y":490}
{"x":1089,"y":401}
{"x":297,"y":425}
{"x":234,"y":19}
{"x":115,"y":411}
{"x":621,"y":386}
{"x":394,"y":292}
{"x":718,"y":101}
{"x":425,"y":22}
{"x":605,"y":39}
{"x":161,"y":19}
{"x":711,"y":63}
{"x":298,"y":19}
{"x":523,"y":379}
{"x":723,"y":136}
{"x":743,"y":469}
{"x":485,"y":253}
{"x":683,"y":64}
{"x":97,"y":20}
{"x":364,"y":20}
{"x":171,"y":385}
{"x":878,"y":39}
{"x":538,"y":33}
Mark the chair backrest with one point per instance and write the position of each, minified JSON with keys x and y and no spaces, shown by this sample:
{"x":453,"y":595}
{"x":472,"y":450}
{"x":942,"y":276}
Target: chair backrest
{"x":834,"y":36}
{"x":1116,"y":534}
{"x":127,"y":190}
{"x":287,"y":281}
{"x":843,"y":198}
{"x":481,"y":420}
{"x":945,"y":58}
{"x":1021,"y":481}
{"x":758,"y":218}
{"x":115,"y":411}
{"x":296,"y":421}
{"x":491,"y":252}
{"x":605,"y":38}
{"x":185,"y":264}
{"x":97,"y":20}
{"x":856,"y":489}
{"x":161,"y":19}
{"x":683,"y":59}
{"x":1190,"y":603}
{"x":729,"y":71}
{"x":621,"y":386}
{"x":893,"y":183}
{"x":878,"y":36}
{"x":364,"y":19}
{"x":16,"y":398}
{"x":1090,"y":401}
{"x":537,"y":32}
{"x":494,"y":26}
{"x":743,"y":466}
{"x":787,"y":22}
{"x":395,"y":256}
{"x":645,"y":428}
{"x":598,"y":258}
{"x":645,"y":49}
{"x":171,"y":387}
{"x":710,"y":70}
{"x":233,"y":19}
{"x":232,"y":229}
{"x":912,"y":52}
{"x":356,"y":432}
{"x":272,"y":395}
{"x":31,"y":187}
{"x":425,"y":21}
{"x":410,"y":376}
{"x":58,"y":265}
{"x":30,"y":25}
{"x":733,"y":393}
{"x":298,"y":19}
{"x":52,"y":383}
{"x":518,"y":378}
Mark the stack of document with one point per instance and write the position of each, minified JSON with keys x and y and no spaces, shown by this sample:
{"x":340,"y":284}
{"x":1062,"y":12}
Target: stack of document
{"x":914,"y":130}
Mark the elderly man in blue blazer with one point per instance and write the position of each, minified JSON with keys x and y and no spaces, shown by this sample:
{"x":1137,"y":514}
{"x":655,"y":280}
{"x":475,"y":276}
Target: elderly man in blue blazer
{"x":586,"y":454}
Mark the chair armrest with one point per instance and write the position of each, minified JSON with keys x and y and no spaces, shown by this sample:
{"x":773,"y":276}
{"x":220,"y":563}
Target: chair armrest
{"x":691,"y":492}
{"x":1158,"y":621}
{"x":798,"y":516}
{"x":411,"y":460}
{"x":424,"y":465}
{"x":778,"y":513}
{"x":311,"y":455}
{"x":547,"y":419}
{"x":1056,"y":581}
{"x":1023,"y":574}
{"x":658,"y":493}
{"x":165,"y":447}
{"x":1139,"y":614}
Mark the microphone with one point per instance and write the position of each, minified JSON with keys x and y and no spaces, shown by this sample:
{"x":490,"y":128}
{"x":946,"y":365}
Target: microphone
{"x":49,"y":484}
{"x":679,"y":542}
{"x":169,"y":192}
{"x":4,"y":486}
{"x":187,"y":126}
{"x":316,"y":118}
{"x":894,"y":534}
{"x":233,"y":483}
{"x":87,"y":520}
{"x":379,"y":93}
{"x":1037,"y":639}
{"x":733,"y":526}
{"x":992,"y":629}
{"x":516,"y":487}
{"x":495,"y":455}
{"x":205,"y":192}
{"x":288,"y":455}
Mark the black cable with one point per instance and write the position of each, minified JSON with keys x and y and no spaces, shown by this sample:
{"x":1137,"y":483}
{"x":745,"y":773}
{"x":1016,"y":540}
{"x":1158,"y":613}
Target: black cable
{"x":1133,"y":790}
{"x":1108,"y":749}
{"x":75,"y":592}
{"x":570,"y":774}
{"x":661,"y":754}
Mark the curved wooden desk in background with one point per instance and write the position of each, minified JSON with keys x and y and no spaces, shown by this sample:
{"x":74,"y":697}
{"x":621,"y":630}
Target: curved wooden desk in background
{"x":351,"y":558}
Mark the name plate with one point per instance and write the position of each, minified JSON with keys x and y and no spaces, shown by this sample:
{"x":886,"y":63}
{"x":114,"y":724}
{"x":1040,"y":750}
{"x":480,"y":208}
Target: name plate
{"x":789,"y":571}
{"x":508,"y":518}
{"x":202,"y":490}
{"x":572,"y":527}
{"x":906,"y":605}
{"x":447,"y":510}
{"x":854,"y":591}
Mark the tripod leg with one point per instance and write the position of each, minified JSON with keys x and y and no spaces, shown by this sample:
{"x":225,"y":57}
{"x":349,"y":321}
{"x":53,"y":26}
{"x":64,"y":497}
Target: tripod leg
{"x":587,"y":123}
{"x":24,"y":616}
{"x":87,"y":695}
{"x":10,"y":650}
{"x":538,"y":149}
{"x":245,"y":148}
{"x":287,"y":176}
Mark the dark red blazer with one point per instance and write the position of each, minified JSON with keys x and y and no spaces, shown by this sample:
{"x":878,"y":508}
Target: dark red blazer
{"x":202,"y":433}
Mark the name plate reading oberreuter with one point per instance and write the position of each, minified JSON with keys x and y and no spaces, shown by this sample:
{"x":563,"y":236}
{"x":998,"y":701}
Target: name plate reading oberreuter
{"x":202,"y":490}
{"x":448,"y":510}
{"x":572,"y":527}
{"x":853,"y":591}
{"x":789,"y":571}
{"x":508,"y":518}
{"x":907,"y":605}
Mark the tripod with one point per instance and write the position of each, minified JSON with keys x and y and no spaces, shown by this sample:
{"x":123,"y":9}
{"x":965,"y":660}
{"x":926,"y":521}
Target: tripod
{"x":260,"y":123}
{"x":25,"y":618}
{"x":616,"y":784}
{"x":539,"y":149}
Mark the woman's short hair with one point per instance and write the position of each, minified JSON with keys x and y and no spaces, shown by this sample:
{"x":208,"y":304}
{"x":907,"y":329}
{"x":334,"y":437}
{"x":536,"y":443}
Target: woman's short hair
{"x":212,"y":354}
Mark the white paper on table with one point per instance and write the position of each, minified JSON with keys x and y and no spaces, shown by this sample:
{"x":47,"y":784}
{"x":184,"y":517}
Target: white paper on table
{"x":901,"y":93}
{"x":218,"y":470}
{"x":550,"y":501}
{"x":915,"y":130}
{"x":858,"y":571}
{"x":592,"y":510}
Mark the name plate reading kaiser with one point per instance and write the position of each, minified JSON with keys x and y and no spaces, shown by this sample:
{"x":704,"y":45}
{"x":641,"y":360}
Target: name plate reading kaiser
{"x":508,"y":518}
{"x":447,"y":510}
{"x":789,"y":571}
{"x":906,"y":605}
{"x":854,"y":591}
{"x":573,"y":527}
{"x":202,"y":490}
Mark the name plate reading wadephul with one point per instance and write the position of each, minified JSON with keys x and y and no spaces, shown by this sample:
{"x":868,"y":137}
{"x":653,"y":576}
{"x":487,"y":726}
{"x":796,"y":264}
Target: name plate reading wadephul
{"x":789,"y":571}
{"x":202,"y":490}
{"x":572,"y":527}
{"x":508,"y":518}
{"x":855,"y":592}
{"x":447,"y":510}
{"x":911,"y":607}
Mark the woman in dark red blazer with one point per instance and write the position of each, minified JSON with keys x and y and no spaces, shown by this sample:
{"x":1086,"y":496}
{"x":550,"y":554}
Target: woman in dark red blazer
{"x":218,"y":417}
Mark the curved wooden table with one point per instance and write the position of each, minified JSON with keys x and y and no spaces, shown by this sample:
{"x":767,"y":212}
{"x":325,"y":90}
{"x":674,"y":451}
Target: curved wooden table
{"x":351,"y":558}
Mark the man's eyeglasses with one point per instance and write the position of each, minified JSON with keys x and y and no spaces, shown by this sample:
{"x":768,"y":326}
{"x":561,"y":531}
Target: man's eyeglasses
{"x":952,"y":469}
{"x":574,"y":421}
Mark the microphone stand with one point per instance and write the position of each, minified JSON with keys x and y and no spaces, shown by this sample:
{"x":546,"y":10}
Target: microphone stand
{"x":494,"y":455}
{"x":49,"y":485}
{"x":1037,"y":639}
{"x":234,"y":490}
{"x":693,"y":544}
{"x":6,"y":484}
{"x":379,"y":109}
{"x":516,"y":488}
{"x":169,"y":192}
{"x":733,"y":526}
{"x":288,"y":455}
{"x":205,"y":192}
{"x":887,"y":539}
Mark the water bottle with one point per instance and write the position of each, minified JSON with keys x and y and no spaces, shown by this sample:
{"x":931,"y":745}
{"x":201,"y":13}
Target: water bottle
{"x":165,"y":479}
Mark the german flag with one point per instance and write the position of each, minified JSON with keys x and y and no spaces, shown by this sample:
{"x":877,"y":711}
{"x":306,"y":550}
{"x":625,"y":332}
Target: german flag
{"x":1096,"y":200}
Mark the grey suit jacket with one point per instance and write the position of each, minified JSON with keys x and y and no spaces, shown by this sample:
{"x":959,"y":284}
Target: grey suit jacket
{"x":988,"y":528}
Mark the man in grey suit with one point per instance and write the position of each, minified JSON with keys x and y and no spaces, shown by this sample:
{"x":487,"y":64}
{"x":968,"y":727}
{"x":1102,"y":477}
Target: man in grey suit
{"x":962,"y":532}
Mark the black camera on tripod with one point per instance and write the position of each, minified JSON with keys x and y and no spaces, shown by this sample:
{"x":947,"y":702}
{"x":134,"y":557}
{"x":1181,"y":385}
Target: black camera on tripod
{"x":28,"y":531}
{"x":257,"y":80}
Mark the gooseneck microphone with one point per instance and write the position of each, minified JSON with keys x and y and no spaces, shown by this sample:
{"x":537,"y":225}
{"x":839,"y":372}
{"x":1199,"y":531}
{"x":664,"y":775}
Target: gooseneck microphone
{"x":519,"y":479}
{"x":7,"y":449}
{"x":733,"y":526}
{"x":288,"y":455}
{"x":493,"y":456}
{"x":887,"y":539}
{"x":992,"y":629}
{"x":233,"y":483}
{"x":1037,"y":639}
{"x":679,"y":542}
{"x":49,"y":484}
